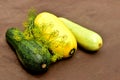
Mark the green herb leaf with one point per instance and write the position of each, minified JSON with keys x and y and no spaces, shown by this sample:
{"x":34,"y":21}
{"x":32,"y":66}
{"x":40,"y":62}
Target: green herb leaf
{"x":29,"y":24}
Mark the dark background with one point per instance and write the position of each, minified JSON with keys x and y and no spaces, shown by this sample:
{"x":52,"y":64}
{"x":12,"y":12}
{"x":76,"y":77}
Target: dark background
{"x":102,"y":16}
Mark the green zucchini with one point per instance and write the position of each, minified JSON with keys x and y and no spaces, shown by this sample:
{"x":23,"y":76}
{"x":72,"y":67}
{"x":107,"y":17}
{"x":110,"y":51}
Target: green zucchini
{"x":33,"y":56}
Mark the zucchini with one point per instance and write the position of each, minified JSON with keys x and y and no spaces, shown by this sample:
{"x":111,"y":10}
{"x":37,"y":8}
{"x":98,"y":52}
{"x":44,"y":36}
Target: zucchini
{"x":33,"y":55}
{"x":61,"y":41}
{"x":48,"y":29}
{"x":86,"y":38}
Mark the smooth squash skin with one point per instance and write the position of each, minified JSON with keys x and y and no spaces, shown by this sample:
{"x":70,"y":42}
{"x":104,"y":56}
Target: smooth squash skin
{"x":33,"y":56}
{"x":86,"y":38}
{"x":55,"y":34}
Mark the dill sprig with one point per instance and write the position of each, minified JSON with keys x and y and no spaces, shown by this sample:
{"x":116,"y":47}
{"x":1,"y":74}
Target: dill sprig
{"x":29,"y":24}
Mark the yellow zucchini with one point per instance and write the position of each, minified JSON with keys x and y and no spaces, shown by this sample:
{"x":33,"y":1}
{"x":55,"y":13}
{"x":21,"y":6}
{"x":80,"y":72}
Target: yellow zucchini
{"x":47,"y":29}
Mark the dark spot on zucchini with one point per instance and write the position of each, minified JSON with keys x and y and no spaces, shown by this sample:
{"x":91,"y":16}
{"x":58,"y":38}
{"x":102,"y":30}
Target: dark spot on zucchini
{"x":51,"y":52}
{"x":72,"y":52}
{"x":100,"y":44}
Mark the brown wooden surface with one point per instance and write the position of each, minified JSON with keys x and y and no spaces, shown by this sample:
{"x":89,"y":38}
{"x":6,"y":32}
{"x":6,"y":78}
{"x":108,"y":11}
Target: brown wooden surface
{"x":102,"y":16}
